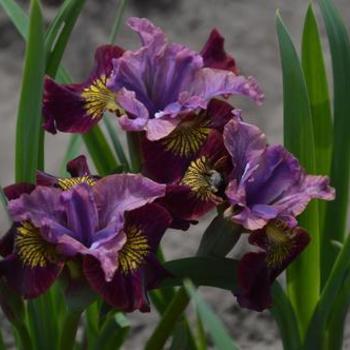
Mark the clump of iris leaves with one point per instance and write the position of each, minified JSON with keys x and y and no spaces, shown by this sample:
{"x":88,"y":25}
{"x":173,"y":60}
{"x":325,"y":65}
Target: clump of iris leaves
{"x":311,"y":310}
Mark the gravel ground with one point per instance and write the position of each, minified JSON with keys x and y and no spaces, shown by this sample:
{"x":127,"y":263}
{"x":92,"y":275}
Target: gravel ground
{"x":249,"y":28}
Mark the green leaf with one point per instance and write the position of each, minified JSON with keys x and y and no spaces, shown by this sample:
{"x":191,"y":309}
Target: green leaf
{"x":59,"y":32}
{"x":316,"y":81}
{"x":221,"y":273}
{"x":336,"y":214}
{"x":17,"y":16}
{"x":29,"y":110}
{"x":337,"y":322}
{"x":317,"y":85}
{"x":214,"y":326}
{"x":113,"y":333}
{"x":328,"y":300}
{"x":71,"y":153}
{"x":219,"y":238}
{"x":299,"y":139}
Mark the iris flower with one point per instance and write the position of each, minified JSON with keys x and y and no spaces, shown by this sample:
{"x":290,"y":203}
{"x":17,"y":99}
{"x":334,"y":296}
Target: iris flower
{"x":158,"y":84}
{"x":267,"y":191}
{"x":151,"y":89}
{"x":110,"y":225}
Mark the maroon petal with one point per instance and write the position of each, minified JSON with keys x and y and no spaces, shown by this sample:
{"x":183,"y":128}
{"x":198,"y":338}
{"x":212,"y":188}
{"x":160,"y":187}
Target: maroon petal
{"x":78,"y":167}
{"x":7,"y":241}
{"x":28,"y":282}
{"x":126,"y":292}
{"x":257,"y":270}
{"x":77,"y":108}
{"x":44,"y":179}
{"x":219,"y":114}
{"x":281,"y":243}
{"x":214,"y":54}
{"x":172,"y":166}
{"x":15,"y":190}
{"x":104,"y":56}
{"x":254,"y":281}
{"x":184,"y":206}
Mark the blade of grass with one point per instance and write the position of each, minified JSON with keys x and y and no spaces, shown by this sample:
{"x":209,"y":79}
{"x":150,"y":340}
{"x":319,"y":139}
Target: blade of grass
{"x":336,"y":214}
{"x":318,"y":325}
{"x":59,"y":33}
{"x":17,"y":16}
{"x":214,"y":326}
{"x":316,"y":81}
{"x":29,"y":111}
{"x":117,"y":22}
{"x":303,"y":276}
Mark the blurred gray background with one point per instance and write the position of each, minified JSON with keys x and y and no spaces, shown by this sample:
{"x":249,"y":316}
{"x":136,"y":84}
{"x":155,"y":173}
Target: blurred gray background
{"x":249,"y":29}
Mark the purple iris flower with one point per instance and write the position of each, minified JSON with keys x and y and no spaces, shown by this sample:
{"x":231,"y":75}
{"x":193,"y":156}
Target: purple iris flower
{"x":268,"y":189}
{"x":158,"y":84}
{"x":110,"y":222}
{"x":267,"y":181}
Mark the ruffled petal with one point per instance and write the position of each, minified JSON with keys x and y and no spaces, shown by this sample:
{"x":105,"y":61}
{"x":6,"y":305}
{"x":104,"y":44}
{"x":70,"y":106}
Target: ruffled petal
{"x":116,"y":194}
{"x":242,"y":141}
{"x":210,"y":83}
{"x":41,"y":207}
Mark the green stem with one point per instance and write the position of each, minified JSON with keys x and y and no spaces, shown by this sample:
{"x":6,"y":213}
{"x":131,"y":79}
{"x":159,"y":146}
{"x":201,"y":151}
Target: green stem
{"x":171,"y":316}
{"x":134,"y":151}
{"x":25,"y":342}
{"x":69,"y":330}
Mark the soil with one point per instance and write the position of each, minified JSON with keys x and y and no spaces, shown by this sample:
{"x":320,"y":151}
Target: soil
{"x":249,"y":28}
